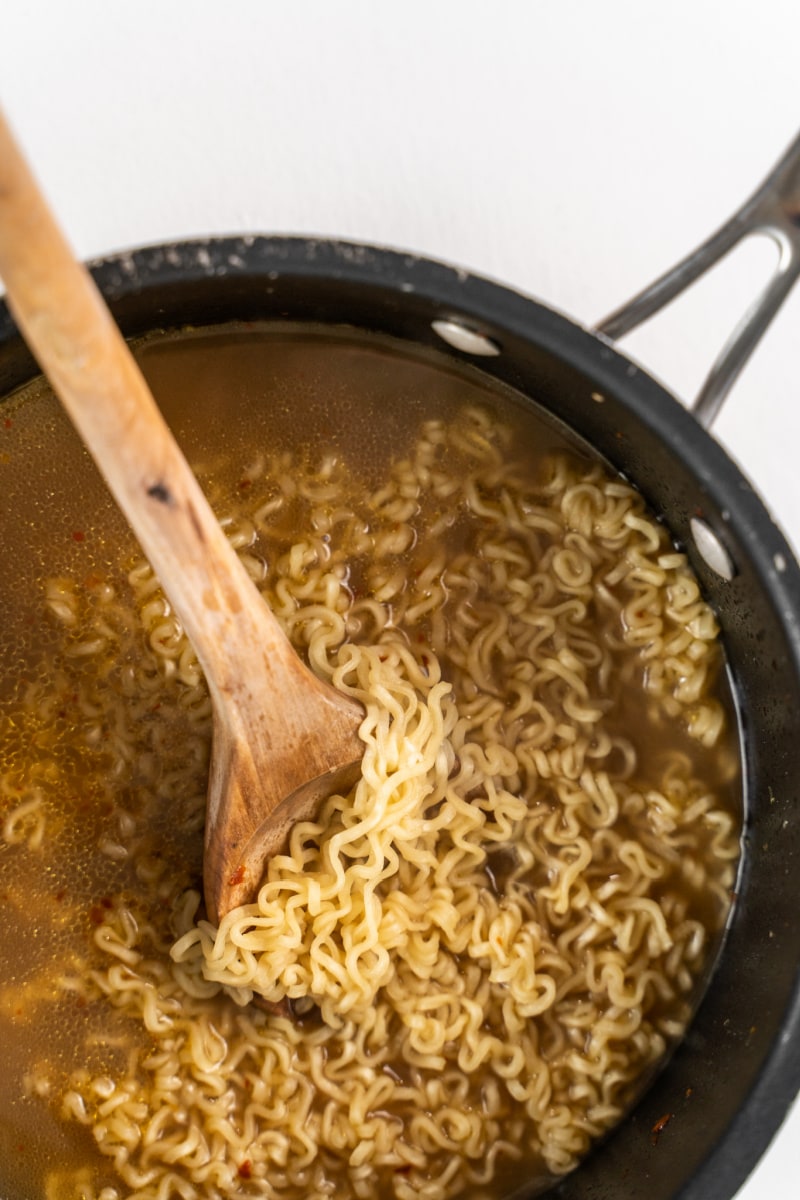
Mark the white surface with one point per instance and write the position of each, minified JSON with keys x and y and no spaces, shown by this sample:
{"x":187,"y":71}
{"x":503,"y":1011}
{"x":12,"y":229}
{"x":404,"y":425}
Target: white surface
{"x":573,"y":150}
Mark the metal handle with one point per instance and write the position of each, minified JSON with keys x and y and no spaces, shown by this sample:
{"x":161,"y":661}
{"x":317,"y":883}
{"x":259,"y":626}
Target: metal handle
{"x":774,"y":210}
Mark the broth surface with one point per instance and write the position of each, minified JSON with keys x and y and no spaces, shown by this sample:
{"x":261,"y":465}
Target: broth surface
{"x":103,"y":824}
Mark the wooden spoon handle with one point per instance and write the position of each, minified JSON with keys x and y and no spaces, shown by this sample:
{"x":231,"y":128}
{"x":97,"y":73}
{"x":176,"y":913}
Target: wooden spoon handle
{"x":66,"y":323}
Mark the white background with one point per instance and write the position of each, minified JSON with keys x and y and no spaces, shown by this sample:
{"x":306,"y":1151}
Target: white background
{"x":573,"y":150}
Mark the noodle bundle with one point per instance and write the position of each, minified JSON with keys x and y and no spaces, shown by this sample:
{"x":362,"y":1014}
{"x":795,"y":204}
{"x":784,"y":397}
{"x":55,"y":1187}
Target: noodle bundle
{"x":482,"y":950}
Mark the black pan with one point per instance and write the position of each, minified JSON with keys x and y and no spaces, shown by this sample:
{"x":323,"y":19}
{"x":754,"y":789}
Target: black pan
{"x":729,"y":1084}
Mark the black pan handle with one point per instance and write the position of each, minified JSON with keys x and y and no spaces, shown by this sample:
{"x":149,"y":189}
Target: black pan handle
{"x":773,"y":210}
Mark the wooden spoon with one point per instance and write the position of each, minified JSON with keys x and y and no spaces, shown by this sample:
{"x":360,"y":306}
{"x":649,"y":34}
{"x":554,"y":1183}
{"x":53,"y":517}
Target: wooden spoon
{"x":282,"y":739}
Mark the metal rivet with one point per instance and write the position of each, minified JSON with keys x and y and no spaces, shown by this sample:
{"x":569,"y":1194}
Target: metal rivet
{"x":711,"y":549}
{"x":780,"y":562}
{"x":461,"y":337}
{"x":598,"y":397}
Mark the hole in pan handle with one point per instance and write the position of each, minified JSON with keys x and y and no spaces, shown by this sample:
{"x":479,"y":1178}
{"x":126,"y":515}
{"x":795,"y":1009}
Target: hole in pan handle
{"x":772,"y":210}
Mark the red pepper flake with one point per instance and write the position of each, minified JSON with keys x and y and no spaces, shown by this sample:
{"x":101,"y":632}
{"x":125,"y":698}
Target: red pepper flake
{"x":7,"y":423}
{"x":237,"y":876}
{"x":96,"y":914}
{"x":78,"y":535}
{"x":245,"y":1169}
{"x":659,"y":1127}
{"x":245,"y":483}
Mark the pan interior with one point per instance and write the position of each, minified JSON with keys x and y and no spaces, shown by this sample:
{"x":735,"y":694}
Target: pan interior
{"x":231,"y":394}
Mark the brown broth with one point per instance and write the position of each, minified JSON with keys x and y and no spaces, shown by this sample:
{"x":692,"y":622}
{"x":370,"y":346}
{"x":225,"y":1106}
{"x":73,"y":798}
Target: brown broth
{"x":229,"y":395}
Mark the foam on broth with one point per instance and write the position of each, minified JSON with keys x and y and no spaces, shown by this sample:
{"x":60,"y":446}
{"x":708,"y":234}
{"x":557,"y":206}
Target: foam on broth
{"x":231,"y":395}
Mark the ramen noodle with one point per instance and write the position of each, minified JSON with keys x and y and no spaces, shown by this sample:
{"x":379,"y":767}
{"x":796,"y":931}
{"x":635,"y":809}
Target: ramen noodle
{"x":477,"y":956}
